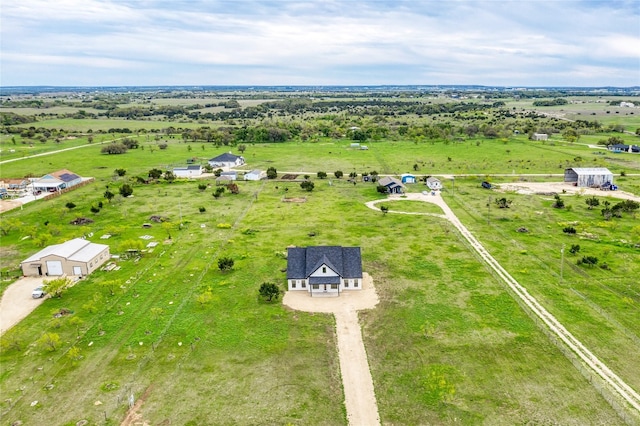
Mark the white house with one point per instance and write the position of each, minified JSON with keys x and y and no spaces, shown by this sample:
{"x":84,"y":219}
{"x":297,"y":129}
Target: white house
{"x":232,"y":174}
{"x":540,"y":137}
{"x":227,"y":160}
{"x":74,"y":257}
{"x":188,"y":171}
{"x":324,"y":270}
{"x":57,"y":181}
{"x":434,"y":183}
{"x":255,"y":175}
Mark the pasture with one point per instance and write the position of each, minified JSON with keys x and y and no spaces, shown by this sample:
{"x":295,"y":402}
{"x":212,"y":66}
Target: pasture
{"x":447,"y":343}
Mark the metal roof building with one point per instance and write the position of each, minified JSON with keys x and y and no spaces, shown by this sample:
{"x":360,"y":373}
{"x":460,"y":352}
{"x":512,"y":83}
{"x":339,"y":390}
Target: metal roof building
{"x":587,"y":177}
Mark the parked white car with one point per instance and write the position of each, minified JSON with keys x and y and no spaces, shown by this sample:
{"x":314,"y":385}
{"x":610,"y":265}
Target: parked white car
{"x":38,"y":293}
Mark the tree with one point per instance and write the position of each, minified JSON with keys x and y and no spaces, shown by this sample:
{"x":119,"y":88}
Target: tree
{"x":233,"y":188}
{"x":322,"y":175}
{"x":120,"y":172}
{"x":50,"y":341}
{"x":70,"y":205}
{"x":202,"y":209}
{"x":111,"y":286}
{"x":155,"y":174}
{"x":559,"y":203}
{"x":114,"y":148}
{"x":109,"y":195}
{"x":218,"y":172}
{"x":126,"y":190}
{"x":202,"y":186}
{"x":163,"y":145}
{"x":592,"y":202}
{"x":569,"y":230}
{"x":384,"y":209}
{"x":272,"y":173}
{"x":307,"y":185}
{"x":575,"y":248}
{"x":95,"y":209}
{"x":338,"y":174}
{"x":8,"y":224}
{"x":242,"y":148}
{"x":219,"y":191}
{"x":503,"y":203}
{"x":269,"y":291}
{"x":169,"y":176}
{"x":225,"y":263}
{"x":74,"y":354}
{"x":57,"y":286}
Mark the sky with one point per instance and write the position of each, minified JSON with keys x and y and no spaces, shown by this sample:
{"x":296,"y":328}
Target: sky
{"x":319,"y":42}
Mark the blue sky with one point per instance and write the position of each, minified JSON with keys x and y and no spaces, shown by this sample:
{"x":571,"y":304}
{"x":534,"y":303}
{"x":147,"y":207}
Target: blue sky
{"x":324,"y":42}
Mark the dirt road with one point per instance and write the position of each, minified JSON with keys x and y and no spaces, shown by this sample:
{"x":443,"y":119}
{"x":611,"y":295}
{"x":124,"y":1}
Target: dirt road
{"x":360,"y":398}
{"x":558,"y":187}
{"x":17,"y":303}
{"x":614,"y":383}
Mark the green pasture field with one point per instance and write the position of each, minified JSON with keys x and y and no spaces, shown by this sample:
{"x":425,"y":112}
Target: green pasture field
{"x":446,"y":342}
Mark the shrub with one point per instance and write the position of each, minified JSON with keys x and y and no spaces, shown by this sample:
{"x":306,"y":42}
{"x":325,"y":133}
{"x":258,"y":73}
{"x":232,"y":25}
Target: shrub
{"x":202,"y":209}
{"x":114,"y":148}
{"x":338,"y":174}
{"x":575,"y":248}
{"x":225,"y":263}
{"x":70,"y":205}
{"x":307,"y":185}
{"x":322,"y":175}
{"x":126,"y":190}
{"x":269,"y":291}
{"x":588,"y":261}
{"x":559,"y":203}
{"x":569,"y":230}
{"x":272,"y":173}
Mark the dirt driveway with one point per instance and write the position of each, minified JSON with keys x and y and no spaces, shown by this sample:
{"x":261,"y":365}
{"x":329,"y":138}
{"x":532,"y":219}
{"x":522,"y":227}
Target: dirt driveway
{"x":17,"y":303}
{"x":557,"y":187}
{"x":360,"y":398}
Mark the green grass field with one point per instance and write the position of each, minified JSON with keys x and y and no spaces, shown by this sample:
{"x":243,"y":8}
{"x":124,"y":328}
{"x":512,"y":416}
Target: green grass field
{"x":447,"y":343}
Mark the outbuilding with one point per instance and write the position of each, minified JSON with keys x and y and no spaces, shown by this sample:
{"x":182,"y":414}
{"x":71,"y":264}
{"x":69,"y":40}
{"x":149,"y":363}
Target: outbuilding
{"x":255,"y":175}
{"x":74,"y":257}
{"x":434,"y":183}
{"x":408,"y":178}
{"x":188,"y":171}
{"x":587,"y":177}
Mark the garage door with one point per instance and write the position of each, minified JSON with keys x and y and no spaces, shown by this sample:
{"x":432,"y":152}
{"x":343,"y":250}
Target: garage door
{"x":54,"y":267}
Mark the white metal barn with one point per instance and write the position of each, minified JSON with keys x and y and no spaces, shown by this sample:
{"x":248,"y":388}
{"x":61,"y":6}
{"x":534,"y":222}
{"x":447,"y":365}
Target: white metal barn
{"x":74,"y":257}
{"x":588,"y":176}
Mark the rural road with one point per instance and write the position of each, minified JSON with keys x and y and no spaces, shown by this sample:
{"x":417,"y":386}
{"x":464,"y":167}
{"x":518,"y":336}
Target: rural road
{"x":360,"y":398}
{"x":614,"y":383}
{"x":17,"y":303}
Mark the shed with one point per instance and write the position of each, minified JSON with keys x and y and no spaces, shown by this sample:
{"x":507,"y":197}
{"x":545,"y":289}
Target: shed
{"x":408,"y":178}
{"x":540,"y":137}
{"x":434,"y":183}
{"x":255,"y":175}
{"x":188,"y":171}
{"x":586,"y":177}
{"x":74,"y":257}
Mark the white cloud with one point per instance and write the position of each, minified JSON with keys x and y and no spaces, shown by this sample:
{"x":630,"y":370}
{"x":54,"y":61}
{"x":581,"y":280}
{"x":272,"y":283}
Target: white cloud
{"x":314,"y":42}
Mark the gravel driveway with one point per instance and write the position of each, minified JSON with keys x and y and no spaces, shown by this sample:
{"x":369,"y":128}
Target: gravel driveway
{"x":17,"y":303}
{"x":360,"y":398}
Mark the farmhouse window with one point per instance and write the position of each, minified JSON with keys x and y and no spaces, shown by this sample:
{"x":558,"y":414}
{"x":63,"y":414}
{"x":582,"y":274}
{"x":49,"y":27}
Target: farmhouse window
{"x":324,"y":269}
{"x":356,"y":284}
{"x":334,"y":286}
{"x":316,"y":286}
{"x":346,"y":283}
{"x":304,"y":284}
{"x":293,"y":284}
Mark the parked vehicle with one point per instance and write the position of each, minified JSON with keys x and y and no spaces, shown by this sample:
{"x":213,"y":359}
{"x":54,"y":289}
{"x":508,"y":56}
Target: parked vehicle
{"x":38,"y":293}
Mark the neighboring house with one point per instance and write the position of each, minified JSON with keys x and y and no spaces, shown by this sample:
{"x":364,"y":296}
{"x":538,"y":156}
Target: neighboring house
{"x":49,"y":184}
{"x":434,"y":183}
{"x":255,"y":175}
{"x":14,"y":184}
{"x":188,"y":171}
{"x":75,"y":257}
{"x":56,"y":181}
{"x":324,"y":270}
{"x":393,"y":185}
{"x":68,"y":177}
{"x":620,"y":147}
{"x":227,"y":160}
{"x":588,"y":176}
{"x":232,"y":175}
{"x":408,"y":178}
{"x":540,"y":137}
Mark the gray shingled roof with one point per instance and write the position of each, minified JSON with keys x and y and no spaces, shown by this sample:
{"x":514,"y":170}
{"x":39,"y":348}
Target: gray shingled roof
{"x":227,"y":157}
{"x":346,"y":261}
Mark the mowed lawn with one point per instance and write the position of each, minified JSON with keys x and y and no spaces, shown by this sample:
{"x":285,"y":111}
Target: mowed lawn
{"x":446,"y":344}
